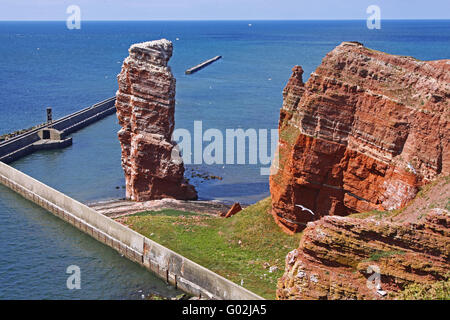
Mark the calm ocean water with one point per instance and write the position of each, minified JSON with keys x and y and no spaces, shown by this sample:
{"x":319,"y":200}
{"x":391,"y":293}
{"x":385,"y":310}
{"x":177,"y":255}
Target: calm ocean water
{"x":44,"y":64}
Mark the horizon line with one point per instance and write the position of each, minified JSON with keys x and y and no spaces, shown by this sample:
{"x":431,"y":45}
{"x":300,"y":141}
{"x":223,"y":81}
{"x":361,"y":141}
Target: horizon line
{"x":244,"y":20}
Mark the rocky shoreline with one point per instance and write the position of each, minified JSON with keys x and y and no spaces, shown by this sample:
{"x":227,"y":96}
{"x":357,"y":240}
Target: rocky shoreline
{"x":121,"y":207}
{"x":365,"y":134}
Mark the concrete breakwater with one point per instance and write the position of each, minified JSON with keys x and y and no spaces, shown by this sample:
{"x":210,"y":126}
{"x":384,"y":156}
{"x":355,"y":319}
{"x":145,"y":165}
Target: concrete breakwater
{"x":174,"y":268}
{"x":54,"y":134}
{"x":202,"y":65}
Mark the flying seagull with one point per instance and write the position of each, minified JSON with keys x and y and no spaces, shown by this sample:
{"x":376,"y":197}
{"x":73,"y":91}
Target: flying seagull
{"x":304,"y":208}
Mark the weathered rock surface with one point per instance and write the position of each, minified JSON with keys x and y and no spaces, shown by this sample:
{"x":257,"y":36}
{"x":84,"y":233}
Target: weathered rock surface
{"x":339,"y":257}
{"x":233,"y":210}
{"x":145,"y":108}
{"x":363,"y":133}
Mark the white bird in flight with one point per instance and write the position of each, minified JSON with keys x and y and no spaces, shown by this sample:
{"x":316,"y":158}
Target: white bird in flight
{"x":304,"y":208}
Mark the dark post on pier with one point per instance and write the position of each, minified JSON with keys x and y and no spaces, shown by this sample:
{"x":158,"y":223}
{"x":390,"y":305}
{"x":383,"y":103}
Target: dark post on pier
{"x":49,"y":115}
{"x":202,"y":65}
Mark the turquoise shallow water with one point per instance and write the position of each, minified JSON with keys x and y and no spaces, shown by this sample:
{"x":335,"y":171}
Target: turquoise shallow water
{"x":44,"y":64}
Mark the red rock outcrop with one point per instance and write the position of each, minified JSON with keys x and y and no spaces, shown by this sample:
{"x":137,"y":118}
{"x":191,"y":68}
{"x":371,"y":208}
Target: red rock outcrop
{"x":350,"y":258}
{"x":235,"y":208}
{"x":145,"y":108}
{"x":363,"y":133}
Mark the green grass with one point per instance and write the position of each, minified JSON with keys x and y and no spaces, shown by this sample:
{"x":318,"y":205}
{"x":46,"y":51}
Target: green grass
{"x":165,"y":212}
{"x":437,"y":291}
{"x":423,"y":193}
{"x":383,"y":254}
{"x":426,"y":188}
{"x":290,"y":134}
{"x":236,"y":248}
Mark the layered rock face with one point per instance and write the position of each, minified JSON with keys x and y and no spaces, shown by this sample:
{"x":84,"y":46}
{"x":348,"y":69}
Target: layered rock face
{"x":145,"y":108}
{"x":363,"y":133}
{"x":349,"y":258}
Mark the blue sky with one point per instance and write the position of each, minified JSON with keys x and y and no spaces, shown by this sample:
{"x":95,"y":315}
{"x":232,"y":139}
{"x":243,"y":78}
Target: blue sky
{"x":222,"y":9}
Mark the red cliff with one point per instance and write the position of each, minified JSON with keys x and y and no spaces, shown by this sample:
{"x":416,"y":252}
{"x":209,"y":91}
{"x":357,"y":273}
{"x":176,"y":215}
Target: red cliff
{"x":375,"y":255}
{"x":350,"y":258}
{"x":362,"y":133}
{"x":145,"y":108}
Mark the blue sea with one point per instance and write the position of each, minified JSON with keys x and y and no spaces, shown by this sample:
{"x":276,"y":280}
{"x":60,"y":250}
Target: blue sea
{"x":43,"y":64}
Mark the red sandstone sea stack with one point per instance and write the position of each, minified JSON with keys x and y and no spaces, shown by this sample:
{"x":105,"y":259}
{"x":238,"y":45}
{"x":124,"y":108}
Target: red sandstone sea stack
{"x":145,"y":108}
{"x":361,"y":134}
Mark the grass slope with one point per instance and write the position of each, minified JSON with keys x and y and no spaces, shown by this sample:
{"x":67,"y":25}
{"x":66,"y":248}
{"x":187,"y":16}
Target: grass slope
{"x":239,"y":248}
{"x":437,"y":291}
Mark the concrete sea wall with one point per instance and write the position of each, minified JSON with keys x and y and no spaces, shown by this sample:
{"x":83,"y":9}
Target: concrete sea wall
{"x":85,"y":117}
{"x":174,"y":268}
{"x":28,"y":142}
